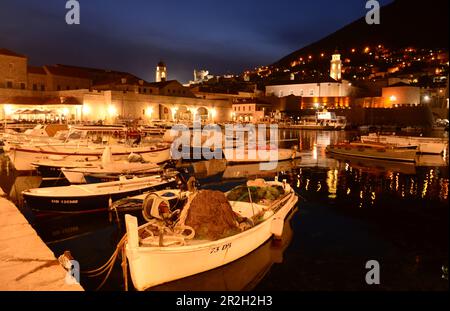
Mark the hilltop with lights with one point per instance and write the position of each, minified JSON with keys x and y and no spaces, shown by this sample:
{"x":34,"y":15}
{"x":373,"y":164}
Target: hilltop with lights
{"x":411,"y":43}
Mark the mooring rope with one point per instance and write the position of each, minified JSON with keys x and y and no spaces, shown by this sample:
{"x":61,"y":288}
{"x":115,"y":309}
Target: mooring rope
{"x":108,"y":266}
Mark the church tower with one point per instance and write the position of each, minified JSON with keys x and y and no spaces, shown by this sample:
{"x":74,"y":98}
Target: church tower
{"x":336,"y":66}
{"x":161,"y":72}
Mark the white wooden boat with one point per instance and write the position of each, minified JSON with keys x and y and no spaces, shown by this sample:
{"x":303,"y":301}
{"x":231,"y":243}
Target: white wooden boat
{"x":23,"y":156}
{"x":51,"y":167}
{"x":179,"y":257}
{"x":429,"y":145}
{"x":91,"y":197}
{"x":78,"y":175}
{"x":86,"y":142}
{"x":374,"y":151}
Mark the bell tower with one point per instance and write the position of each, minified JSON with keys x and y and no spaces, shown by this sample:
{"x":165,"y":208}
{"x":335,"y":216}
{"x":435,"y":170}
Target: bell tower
{"x":161,"y":72}
{"x":336,"y":66}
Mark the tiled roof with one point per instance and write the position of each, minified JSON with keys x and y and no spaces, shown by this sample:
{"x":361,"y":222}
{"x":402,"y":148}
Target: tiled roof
{"x":130,"y":80}
{"x":326,"y":79}
{"x":36,"y":70}
{"x":162,"y":84}
{"x":67,"y":72}
{"x":399,"y":84}
{"x":29,"y":100}
{"x":10,"y":53}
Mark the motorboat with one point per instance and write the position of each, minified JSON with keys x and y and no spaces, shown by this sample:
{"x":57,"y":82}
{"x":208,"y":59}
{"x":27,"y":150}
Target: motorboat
{"x":429,"y":145}
{"x":374,"y":151}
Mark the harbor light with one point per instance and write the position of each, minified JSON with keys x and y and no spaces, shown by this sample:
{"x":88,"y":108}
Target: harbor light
{"x":8,"y":110}
{"x":112,"y":111}
{"x":149,"y":112}
{"x":86,"y":109}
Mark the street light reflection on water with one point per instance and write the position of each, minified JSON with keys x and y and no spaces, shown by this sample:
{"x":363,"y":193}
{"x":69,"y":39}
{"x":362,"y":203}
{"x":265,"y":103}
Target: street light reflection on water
{"x":350,"y":210}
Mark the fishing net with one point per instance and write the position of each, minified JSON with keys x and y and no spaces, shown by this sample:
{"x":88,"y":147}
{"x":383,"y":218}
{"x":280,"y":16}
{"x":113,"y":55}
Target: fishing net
{"x":211,"y":216}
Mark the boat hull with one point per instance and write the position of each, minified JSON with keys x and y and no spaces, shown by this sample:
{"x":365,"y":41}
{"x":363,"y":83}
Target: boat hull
{"x":47,"y":171}
{"x":385,"y":154}
{"x":87,"y":203}
{"x":424,"y":145}
{"x":22,"y":158}
{"x":151,"y":266}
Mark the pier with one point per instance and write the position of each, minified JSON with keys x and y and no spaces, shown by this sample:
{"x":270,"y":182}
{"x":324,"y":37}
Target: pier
{"x":26,"y":263}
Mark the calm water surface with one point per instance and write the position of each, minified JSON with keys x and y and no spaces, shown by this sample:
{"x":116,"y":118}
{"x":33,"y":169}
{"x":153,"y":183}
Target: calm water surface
{"x":350,"y":211}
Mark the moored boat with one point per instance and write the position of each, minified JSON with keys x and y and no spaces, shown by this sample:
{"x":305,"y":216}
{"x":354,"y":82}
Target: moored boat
{"x":374,"y":151}
{"x":91,"y":197}
{"x":114,"y":169}
{"x":156,"y":258}
{"x":429,"y":145}
{"x":23,"y":156}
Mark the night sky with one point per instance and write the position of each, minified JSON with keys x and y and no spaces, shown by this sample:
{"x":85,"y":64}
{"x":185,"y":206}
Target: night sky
{"x":221,"y":36}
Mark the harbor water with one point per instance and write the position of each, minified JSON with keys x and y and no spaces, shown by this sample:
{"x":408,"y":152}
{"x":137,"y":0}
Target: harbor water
{"x":350,"y":211}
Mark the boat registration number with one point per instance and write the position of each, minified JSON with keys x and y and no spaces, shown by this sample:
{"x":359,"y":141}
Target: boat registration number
{"x":220,"y":248}
{"x":64,"y":201}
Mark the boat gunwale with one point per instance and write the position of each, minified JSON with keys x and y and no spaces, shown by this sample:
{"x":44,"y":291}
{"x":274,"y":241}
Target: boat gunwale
{"x":90,"y":192}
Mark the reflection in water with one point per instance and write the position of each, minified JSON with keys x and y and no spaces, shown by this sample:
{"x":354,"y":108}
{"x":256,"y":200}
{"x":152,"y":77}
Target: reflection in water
{"x":345,"y":186}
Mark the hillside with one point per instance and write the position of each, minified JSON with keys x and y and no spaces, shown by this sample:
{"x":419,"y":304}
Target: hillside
{"x":404,"y":23}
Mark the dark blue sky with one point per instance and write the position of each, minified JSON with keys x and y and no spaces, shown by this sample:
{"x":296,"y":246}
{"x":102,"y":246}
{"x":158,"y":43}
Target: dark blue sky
{"x":219,"y":35}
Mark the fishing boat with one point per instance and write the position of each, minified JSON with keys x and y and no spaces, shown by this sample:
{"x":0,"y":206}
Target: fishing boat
{"x":257,"y":155}
{"x":109,"y":170}
{"x":82,"y":175}
{"x":159,"y":252}
{"x":51,"y":168}
{"x":374,"y":151}
{"x":91,"y":197}
{"x":87,"y":142}
{"x":23,"y":156}
{"x":243,"y":274}
{"x":429,"y":145}
{"x":75,"y":170}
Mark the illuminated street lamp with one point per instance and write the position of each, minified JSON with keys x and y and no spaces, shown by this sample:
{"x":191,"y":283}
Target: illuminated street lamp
{"x":213,"y":113}
{"x":112,"y":111}
{"x":149,"y":112}
{"x":8,"y":110}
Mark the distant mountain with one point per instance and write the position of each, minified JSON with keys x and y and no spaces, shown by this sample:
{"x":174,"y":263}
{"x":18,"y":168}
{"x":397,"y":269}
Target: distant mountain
{"x":403,"y":23}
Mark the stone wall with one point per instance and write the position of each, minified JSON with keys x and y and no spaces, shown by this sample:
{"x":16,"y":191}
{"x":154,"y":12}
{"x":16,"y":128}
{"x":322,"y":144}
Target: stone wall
{"x":13,"y":69}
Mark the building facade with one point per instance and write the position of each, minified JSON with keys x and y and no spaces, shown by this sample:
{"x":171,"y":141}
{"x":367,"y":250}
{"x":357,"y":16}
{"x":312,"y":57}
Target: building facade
{"x":70,"y":93}
{"x":320,"y":89}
